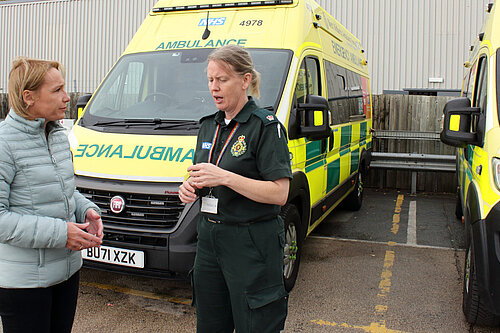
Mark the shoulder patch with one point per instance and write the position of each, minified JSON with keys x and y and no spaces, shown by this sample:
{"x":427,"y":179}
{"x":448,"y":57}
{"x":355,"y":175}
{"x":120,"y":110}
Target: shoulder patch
{"x":266,"y":116}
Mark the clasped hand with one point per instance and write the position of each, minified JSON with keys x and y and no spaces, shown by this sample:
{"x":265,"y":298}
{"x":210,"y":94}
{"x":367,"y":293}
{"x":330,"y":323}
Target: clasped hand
{"x":85,"y":235}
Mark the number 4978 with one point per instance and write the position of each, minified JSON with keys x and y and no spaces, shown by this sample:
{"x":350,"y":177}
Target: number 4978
{"x":248,"y":23}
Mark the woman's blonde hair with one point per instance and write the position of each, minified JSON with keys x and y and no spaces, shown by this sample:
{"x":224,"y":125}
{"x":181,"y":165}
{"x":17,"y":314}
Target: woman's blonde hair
{"x":241,"y":62}
{"x":27,"y":74}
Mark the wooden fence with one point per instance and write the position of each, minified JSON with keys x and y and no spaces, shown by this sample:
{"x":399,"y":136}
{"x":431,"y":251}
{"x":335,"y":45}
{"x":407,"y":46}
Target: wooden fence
{"x":390,"y":112}
{"x":412,"y":113}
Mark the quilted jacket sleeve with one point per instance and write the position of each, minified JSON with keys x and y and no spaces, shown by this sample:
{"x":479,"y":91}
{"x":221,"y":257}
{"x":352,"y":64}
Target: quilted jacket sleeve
{"x":82,"y":205}
{"x":22,"y":230}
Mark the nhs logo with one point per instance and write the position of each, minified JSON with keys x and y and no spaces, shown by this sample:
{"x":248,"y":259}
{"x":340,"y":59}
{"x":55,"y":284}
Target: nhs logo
{"x":206,"y":145}
{"x":212,"y":21}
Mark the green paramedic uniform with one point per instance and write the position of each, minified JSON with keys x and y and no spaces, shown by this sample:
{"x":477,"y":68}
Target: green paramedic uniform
{"x":238,"y":270}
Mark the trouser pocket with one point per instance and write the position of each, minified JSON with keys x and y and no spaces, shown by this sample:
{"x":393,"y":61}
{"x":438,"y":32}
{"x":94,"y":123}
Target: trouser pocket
{"x":268,"y":309}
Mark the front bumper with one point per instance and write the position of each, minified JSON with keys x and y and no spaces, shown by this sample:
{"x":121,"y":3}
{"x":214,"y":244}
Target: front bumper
{"x":172,"y":256}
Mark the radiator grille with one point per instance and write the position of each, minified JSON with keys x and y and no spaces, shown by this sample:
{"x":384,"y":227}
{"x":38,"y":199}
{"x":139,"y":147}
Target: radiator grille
{"x":152,"y":213}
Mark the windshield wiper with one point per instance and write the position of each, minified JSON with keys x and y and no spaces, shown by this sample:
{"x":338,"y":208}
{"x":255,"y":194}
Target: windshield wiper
{"x":170,"y":124}
{"x":128,"y":122}
{"x":156,"y":122}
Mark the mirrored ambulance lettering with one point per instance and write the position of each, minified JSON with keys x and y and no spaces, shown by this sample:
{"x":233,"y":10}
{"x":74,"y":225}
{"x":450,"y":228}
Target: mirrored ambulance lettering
{"x":138,"y":152}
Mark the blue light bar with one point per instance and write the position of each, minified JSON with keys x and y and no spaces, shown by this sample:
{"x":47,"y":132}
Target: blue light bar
{"x":223,"y":5}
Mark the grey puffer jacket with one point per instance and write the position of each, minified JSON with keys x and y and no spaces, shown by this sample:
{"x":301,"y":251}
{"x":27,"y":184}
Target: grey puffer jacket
{"x":37,"y":198}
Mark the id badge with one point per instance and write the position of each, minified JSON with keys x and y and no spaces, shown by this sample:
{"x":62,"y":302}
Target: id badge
{"x":209,"y":205}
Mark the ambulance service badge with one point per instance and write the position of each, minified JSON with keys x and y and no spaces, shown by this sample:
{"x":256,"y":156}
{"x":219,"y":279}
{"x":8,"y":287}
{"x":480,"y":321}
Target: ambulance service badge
{"x":239,"y":147}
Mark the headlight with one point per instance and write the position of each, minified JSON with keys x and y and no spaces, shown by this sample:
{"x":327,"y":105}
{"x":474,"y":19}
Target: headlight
{"x":496,"y":171}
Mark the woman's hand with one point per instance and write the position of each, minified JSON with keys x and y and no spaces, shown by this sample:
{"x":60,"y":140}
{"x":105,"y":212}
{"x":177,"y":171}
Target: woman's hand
{"x":207,"y":175}
{"x":187,"y":192}
{"x":95,"y":223}
{"x":78,"y":239}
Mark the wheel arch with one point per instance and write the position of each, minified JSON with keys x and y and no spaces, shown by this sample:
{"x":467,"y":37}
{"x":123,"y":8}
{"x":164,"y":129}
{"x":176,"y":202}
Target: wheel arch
{"x":298,"y":196}
{"x":365,"y":158}
{"x":473,"y":203}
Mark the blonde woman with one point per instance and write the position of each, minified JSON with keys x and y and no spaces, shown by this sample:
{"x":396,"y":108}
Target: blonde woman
{"x":44,"y":221}
{"x":242,"y":175}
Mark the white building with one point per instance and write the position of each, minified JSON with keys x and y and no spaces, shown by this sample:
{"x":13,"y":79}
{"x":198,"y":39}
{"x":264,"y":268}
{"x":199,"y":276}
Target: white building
{"x":409,"y":43}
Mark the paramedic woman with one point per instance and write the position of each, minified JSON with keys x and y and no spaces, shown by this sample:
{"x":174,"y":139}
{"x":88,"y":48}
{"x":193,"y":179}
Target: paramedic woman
{"x":241,"y":174}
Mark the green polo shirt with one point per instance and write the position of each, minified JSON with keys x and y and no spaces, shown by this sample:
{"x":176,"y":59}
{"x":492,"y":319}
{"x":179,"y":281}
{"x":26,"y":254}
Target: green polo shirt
{"x":258,"y":149}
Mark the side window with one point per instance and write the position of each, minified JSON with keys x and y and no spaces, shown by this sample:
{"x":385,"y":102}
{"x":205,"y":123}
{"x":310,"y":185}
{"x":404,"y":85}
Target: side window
{"x":301,"y":86}
{"x":355,"y":94}
{"x":480,"y":90}
{"x":480,"y":94}
{"x":308,"y":80}
{"x":344,"y":88}
{"x":313,"y":70}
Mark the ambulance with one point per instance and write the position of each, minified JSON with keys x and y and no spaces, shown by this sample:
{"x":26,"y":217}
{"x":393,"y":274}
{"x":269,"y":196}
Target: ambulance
{"x":136,"y":135}
{"x":471,"y":123}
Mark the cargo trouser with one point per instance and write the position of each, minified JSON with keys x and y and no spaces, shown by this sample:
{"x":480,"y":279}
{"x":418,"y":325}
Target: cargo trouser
{"x":238,"y":277}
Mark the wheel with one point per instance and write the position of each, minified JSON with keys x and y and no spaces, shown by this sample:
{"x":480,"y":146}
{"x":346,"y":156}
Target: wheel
{"x":458,"y":207}
{"x":473,"y":307}
{"x":355,"y":199}
{"x":293,"y":245}
{"x":156,"y":96}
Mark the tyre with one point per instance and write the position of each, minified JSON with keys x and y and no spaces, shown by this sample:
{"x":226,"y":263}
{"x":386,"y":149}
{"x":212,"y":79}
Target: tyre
{"x":355,"y":199}
{"x":293,"y":245}
{"x":473,"y":307}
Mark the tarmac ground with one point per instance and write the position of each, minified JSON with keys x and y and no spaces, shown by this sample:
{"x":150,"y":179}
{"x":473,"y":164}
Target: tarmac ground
{"x":394,"y":266}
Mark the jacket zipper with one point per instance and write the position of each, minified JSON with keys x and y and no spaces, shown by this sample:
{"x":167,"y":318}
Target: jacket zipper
{"x":61,"y":183}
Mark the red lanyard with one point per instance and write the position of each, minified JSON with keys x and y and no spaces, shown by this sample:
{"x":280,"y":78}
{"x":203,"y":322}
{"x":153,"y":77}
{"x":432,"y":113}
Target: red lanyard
{"x":216,"y":134}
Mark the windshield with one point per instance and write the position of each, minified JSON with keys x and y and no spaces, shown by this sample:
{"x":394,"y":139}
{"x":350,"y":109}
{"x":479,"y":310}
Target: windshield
{"x":171,"y":87}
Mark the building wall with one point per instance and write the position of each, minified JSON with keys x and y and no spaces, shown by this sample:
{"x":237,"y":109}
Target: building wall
{"x":86,"y":36}
{"x":406,"y":41}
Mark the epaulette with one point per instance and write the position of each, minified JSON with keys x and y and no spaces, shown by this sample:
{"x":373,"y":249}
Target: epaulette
{"x":207,"y":116}
{"x":266,"y":116}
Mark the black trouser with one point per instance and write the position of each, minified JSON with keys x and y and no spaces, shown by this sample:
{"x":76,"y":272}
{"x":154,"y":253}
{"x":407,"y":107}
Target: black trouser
{"x":40,"y":310}
{"x":238,"y":277}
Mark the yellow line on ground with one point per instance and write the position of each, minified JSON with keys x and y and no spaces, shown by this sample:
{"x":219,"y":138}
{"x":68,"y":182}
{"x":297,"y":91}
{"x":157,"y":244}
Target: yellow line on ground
{"x":385,"y":278}
{"x":396,"y":217}
{"x":384,"y":285}
{"x":372,"y":328}
{"x":139,"y":293}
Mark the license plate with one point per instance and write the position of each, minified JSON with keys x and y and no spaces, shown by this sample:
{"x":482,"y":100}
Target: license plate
{"x":115,"y":256}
